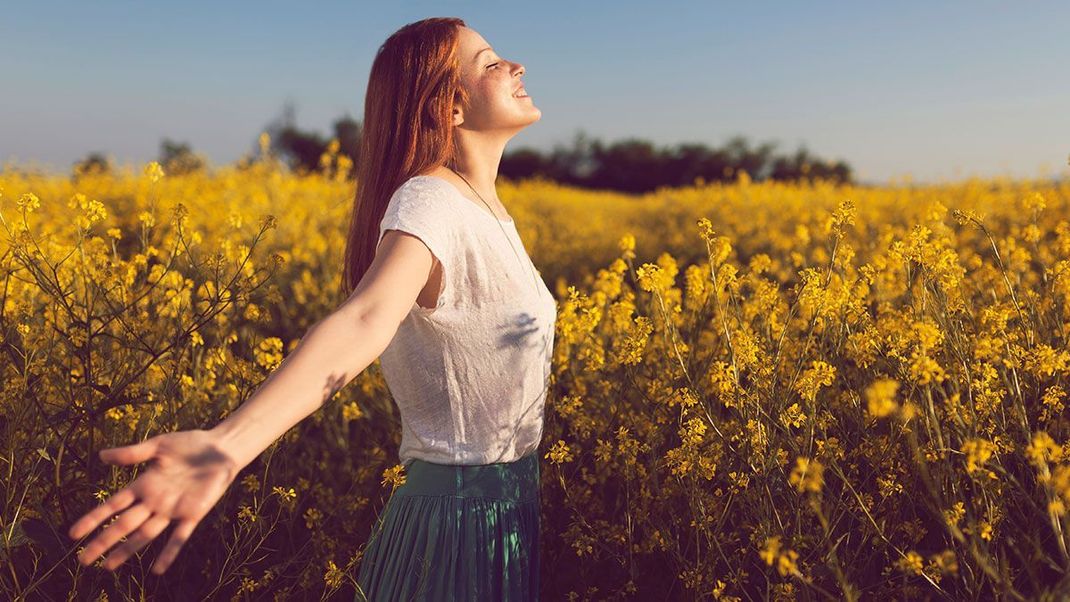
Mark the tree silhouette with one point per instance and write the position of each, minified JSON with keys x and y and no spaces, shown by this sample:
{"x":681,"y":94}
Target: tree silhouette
{"x":300,"y":149}
{"x":95,"y":162}
{"x":524,"y":163}
{"x":178,"y":158}
{"x":348,"y":131}
{"x":631,"y":166}
{"x":634,"y":165}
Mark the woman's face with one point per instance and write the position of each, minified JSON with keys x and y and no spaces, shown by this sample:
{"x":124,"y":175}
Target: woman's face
{"x":493,"y":86}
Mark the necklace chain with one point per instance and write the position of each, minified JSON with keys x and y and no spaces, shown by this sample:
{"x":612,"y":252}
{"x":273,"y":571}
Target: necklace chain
{"x":507,"y":239}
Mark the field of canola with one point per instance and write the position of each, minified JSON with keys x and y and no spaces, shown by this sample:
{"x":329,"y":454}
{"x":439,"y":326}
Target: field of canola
{"x":760,"y":391}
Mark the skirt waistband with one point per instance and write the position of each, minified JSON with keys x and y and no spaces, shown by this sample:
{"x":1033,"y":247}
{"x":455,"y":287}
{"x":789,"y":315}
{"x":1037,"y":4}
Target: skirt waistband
{"x":516,"y":481}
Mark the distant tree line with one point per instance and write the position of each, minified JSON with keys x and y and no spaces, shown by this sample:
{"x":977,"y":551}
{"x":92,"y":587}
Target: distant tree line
{"x":629,"y":165}
{"x":175,"y":158}
{"x":634,"y":165}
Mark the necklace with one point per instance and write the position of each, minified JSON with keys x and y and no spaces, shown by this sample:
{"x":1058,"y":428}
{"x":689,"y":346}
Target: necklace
{"x":507,"y":239}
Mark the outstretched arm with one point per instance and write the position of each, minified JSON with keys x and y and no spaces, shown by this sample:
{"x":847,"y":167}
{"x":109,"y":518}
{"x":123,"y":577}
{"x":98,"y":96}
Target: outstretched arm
{"x":190,"y":470}
{"x":332,"y":353}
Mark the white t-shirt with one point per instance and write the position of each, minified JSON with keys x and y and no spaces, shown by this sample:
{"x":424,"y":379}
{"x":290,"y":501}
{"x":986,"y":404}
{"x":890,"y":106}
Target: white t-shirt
{"x":469,"y":376}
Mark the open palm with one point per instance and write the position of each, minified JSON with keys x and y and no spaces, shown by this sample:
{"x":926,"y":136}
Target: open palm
{"x":188,"y":475}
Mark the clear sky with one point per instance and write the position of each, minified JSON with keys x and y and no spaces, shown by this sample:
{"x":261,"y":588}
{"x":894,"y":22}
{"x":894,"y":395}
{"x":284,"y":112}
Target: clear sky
{"x":937,"y":90}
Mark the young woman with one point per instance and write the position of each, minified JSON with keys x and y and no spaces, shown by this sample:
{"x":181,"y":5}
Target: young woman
{"x":438,"y":284}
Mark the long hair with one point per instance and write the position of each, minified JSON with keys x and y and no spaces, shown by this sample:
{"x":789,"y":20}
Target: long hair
{"x":407,"y":128}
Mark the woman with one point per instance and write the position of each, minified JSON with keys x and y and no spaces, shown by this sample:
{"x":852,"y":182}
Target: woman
{"x":440,"y":285}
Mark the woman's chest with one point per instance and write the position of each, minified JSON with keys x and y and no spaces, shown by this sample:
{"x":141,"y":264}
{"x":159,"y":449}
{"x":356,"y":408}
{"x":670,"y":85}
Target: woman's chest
{"x":497,"y":271}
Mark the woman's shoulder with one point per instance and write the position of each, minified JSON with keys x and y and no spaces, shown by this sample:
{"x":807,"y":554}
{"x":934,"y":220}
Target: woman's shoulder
{"x":424,"y":183}
{"x":426,"y":193}
{"x":422,"y":206}
{"x":420,"y":193}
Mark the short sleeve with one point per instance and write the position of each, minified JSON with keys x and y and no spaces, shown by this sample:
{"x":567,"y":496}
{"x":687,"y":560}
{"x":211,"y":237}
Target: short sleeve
{"x":422,"y":209}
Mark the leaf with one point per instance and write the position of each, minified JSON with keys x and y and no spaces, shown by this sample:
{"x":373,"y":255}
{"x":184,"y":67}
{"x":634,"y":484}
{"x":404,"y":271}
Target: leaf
{"x":18,"y":538}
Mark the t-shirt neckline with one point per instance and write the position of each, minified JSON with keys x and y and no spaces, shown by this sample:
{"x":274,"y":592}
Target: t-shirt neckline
{"x":467,"y":201}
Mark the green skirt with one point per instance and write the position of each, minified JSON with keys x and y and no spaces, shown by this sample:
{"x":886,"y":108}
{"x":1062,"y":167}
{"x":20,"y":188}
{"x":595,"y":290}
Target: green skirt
{"x":457,"y":533}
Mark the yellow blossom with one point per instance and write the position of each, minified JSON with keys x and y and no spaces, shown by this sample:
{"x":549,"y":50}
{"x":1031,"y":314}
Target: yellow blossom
{"x":333,"y":576}
{"x":911,"y":562}
{"x":785,"y":560}
{"x":819,"y":374}
{"x":771,"y":549}
{"x":287,"y":496}
{"x":880,"y":397}
{"x":652,"y":278}
{"x":843,"y":216}
{"x":978,"y":451}
{"x":269,"y":353}
{"x":693,"y":431}
{"x":705,"y":227}
{"x":1034,"y":202}
{"x":786,"y":563}
{"x":1043,"y":449}
{"x":559,"y":453}
{"x":351,"y":411}
{"x":793,"y":416}
{"x":627,"y":245}
{"x":154,"y":171}
{"x":808,"y":475}
{"x":312,"y":517}
{"x":246,"y":514}
{"x":1044,"y":360}
{"x":394,"y":476}
{"x":954,"y":514}
{"x":28,"y":202}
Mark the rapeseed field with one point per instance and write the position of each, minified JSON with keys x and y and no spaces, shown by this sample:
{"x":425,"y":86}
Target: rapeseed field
{"x":760,"y":390}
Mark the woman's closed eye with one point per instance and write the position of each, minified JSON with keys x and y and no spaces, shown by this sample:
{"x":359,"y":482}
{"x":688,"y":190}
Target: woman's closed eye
{"x":492,"y":65}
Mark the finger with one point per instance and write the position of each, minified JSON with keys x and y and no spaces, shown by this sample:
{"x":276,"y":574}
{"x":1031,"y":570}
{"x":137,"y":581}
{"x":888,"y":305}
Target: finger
{"x":112,"y":506}
{"x":179,"y":537}
{"x":140,"y":538}
{"x":127,"y":522}
{"x":130,"y":454}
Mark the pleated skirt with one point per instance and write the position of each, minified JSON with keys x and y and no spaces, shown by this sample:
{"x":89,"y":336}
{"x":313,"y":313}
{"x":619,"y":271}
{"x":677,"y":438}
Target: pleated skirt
{"x":457,"y":533}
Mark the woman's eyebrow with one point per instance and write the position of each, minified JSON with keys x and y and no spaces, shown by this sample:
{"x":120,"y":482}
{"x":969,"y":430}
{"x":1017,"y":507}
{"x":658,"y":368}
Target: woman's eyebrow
{"x":481,"y":52}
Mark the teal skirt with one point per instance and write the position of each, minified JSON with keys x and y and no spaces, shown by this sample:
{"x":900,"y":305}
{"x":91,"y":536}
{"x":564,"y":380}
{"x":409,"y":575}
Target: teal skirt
{"x":457,"y":533}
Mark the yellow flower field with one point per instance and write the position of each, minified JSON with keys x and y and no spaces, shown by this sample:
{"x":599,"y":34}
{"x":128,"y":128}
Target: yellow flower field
{"x":760,"y":391}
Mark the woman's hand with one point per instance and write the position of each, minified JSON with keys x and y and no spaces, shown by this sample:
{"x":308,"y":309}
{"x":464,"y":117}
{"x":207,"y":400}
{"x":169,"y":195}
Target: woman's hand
{"x":188,"y":475}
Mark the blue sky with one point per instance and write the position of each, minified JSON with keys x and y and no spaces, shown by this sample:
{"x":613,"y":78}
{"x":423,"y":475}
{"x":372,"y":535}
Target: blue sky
{"x":937,"y":90}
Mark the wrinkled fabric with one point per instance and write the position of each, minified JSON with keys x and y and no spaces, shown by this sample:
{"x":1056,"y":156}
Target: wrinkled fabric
{"x":470,"y":375}
{"x":457,"y":533}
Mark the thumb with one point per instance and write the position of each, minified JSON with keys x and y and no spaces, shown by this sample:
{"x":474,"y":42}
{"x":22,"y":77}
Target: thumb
{"x":129,"y":454}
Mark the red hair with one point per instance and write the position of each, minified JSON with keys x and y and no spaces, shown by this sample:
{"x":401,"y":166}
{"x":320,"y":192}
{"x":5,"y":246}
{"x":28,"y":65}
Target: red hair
{"x":408,"y":106}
